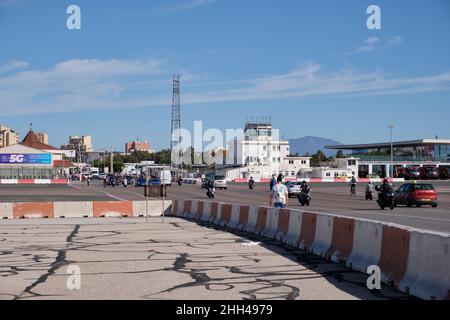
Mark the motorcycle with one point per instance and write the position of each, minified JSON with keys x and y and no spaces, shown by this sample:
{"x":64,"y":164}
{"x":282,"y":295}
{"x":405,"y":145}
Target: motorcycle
{"x":385,"y":200}
{"x":304,"y":198}
{"x":180,"y":182}
{"x":369,"y":195}
{"x":251,"y":185}
{"x":211,"y":192}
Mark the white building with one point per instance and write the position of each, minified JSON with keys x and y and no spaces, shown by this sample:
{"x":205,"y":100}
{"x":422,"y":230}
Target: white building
{"x":261,"y":154}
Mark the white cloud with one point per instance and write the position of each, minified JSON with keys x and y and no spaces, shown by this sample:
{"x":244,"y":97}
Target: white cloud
{"x":91,"y":84}
{"x":185,"y":5}
{"x":396,"y":41}
{"x":373,"y":43}
{"x":372,"y":40}
{"x":13,"y":65}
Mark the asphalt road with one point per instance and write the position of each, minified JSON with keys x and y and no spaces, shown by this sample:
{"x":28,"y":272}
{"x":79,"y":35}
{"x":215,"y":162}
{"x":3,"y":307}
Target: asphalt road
{"x":327,"y":197}
{"x":125,"y":259}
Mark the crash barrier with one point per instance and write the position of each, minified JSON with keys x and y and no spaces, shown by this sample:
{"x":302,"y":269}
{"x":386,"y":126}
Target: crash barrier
{"x":330,"y":180}
{"x":414,"y":261}
{"x":83,"y":209}
{"x":33,"y":181}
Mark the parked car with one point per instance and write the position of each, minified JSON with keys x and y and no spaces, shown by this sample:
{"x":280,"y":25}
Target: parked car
{"x":220,"y":182}
{"x":373,"y":176}
{"x":427,"y":173}
{"x":294,"y":189}
{"x":102,"y":175}
{"x":416,"y":194}
{"x":443,"y":173}
{"x":408,"y":173}
{"x":140,"y":182}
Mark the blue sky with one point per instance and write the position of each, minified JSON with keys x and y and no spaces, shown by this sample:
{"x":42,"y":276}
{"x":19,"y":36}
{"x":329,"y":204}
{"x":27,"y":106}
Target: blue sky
{"x":313,"y":66}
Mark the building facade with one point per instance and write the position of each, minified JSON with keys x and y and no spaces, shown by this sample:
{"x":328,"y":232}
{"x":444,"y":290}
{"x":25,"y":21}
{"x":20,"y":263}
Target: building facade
{"x":262,"y":154}
{"x":30,"y":159}
{"x":384,"y":159}
{"x":8,"y":137}
{"x":137,"y":146}
{"x":42,"y":137}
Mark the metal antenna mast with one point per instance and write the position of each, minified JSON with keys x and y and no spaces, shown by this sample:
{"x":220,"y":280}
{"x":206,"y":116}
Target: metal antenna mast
{"x":176,"y":122}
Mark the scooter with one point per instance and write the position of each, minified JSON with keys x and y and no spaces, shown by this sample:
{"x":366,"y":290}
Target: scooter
{"x":211,"y":192}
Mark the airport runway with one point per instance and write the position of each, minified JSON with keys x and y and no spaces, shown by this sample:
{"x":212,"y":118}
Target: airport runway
{"x":327,"y":197}
{"x":124,"y":259}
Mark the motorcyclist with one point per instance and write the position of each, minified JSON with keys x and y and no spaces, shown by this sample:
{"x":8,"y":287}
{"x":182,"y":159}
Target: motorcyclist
{"x":251,"y":183}
{"x":370,"y":187}
{"x":385,"y":188}
{"x":305,"y":188}
{"x":125,"y":182}
{"x":353,"y":185}
{"x":180,"y":180}
{"x":209,"y":186}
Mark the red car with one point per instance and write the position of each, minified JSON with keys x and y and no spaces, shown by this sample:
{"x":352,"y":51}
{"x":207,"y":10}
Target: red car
{"x":416,"y":194}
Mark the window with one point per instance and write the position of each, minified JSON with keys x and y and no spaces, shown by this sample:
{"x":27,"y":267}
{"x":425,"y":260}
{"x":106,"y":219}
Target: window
{"x":351,"y":162}
{"x":303,"y":161}
{"x":328,"y":174}
{"x":291,"y":161}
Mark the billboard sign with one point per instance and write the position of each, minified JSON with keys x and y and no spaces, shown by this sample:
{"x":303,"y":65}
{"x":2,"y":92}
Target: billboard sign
{"x":21,"y":158}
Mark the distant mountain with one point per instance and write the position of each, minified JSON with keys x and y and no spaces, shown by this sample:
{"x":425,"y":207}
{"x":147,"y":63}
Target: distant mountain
{"x":311,"y":145}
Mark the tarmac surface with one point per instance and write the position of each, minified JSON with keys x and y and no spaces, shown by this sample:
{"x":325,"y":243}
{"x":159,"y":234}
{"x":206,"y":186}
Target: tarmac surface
{"x":331,"y":198}
{"x":125,"y":259}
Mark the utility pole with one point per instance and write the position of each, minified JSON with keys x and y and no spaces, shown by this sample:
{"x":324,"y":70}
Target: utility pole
{"x":175,"y":139}
{"x":392,"y":149}
{"x":111,"y":161}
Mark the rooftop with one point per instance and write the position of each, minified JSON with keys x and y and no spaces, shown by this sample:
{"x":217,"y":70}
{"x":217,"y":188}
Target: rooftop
{"x":31,"y":140}
{"x":411,"y":143}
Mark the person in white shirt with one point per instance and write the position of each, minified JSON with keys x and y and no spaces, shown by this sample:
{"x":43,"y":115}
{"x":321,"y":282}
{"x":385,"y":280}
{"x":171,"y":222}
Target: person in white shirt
{"x":279,"y":196}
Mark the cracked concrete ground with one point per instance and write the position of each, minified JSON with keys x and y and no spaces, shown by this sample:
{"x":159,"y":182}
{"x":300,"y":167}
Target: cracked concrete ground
{"x":131,"y":259}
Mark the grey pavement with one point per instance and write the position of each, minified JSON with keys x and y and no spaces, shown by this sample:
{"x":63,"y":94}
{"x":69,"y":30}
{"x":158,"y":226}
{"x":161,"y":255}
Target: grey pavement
{"x":129,"y":259}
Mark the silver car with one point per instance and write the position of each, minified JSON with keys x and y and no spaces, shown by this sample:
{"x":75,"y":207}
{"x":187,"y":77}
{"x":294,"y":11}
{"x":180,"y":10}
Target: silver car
{"x":220,"y":182}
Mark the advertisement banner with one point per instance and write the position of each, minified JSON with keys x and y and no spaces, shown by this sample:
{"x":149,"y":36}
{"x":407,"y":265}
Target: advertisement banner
{"x":21,"y":158}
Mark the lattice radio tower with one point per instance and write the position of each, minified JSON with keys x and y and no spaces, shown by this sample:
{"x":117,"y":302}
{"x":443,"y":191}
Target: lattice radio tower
{"x":176,"y":122}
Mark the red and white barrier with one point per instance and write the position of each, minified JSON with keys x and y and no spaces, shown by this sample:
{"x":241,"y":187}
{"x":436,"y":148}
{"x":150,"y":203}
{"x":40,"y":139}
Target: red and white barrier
{"x":33,"y":181}
{"x":82,"y":209}
{"x":325,"y":180}
{"x":414,"y":261}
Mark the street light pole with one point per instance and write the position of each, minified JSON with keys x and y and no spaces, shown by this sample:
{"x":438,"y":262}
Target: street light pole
{"x":392,"y":149}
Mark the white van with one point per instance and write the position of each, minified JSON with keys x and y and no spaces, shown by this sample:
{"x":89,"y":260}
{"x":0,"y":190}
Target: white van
{"x":165,"y":177}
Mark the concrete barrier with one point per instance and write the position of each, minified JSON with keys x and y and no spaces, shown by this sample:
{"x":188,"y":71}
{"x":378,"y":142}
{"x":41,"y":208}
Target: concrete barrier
{"x":82,"y":209}
{"x":33,"y":181}
{"x":324,"y":233}
{"x":366,"y":245}
{"x":23,"y":210}
{"x":294,"y":228}
{"x":342,"y":239}
{"x":6,"y":211}
{"x":413,"y":261}
{"x":394,"y":254}
{"x":308,"y":231}
{"x":428,"y":268}
{"x":152,"y":208}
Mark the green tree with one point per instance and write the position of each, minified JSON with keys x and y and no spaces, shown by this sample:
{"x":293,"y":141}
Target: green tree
{"x":340,"y":154}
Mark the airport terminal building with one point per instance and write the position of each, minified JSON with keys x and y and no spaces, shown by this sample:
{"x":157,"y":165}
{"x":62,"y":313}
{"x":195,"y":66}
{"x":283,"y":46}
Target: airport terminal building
{"x":376,"y":158}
